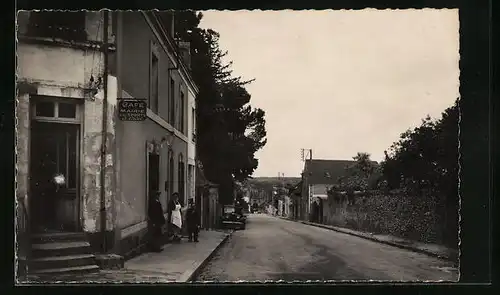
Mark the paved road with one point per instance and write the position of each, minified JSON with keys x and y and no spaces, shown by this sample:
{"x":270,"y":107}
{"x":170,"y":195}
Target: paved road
{"x":276,"y":249}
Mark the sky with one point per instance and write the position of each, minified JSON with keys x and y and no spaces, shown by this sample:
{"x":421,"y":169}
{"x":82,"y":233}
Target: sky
{"x":340,"y":81}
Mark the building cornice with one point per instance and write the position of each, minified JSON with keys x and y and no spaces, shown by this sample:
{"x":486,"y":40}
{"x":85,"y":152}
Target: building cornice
{"x":169,"y":48}
{"x":57,"y":42}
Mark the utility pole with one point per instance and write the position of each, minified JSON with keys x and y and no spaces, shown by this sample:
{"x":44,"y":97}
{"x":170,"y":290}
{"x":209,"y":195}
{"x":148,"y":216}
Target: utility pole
{"x":304,"y":153}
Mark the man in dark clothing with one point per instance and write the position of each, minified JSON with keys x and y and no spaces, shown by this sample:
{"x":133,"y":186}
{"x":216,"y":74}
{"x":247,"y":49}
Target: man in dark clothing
{"x":193,"y":221}
{"x":156,"y":221}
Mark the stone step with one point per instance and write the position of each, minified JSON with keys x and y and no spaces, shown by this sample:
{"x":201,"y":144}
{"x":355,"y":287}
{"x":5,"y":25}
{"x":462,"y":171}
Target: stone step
{"x":57,"y":237}
{"x":62,"y":261}
{"x":60,"y":249}
{"x":66,"y":270}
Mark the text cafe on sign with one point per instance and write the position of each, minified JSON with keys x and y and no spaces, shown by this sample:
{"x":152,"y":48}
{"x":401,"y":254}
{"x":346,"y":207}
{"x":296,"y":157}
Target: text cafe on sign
{"x":132,"y":110}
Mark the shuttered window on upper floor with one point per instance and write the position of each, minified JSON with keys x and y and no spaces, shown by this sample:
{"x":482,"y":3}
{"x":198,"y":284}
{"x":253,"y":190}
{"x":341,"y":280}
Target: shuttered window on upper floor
{"x":182,"y":110}
{"x":171,"y":106}
{"x":193,"y":124}
{"x":153,"y":102}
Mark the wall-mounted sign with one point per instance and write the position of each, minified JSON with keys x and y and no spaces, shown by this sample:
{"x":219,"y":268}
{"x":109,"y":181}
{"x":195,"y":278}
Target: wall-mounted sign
{"x":132,"y":110}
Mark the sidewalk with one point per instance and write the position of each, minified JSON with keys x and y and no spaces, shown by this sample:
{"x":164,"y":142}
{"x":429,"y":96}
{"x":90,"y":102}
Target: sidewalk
{"x":179,"y":262}
{"x":434,"y":250}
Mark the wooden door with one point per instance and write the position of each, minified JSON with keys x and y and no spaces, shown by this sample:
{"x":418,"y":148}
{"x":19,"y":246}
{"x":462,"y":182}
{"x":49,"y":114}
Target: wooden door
{"x":54,"y":151}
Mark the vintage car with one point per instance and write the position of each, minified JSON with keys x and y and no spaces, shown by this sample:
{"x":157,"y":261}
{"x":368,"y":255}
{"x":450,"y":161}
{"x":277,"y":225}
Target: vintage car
{"x":231,"y":219}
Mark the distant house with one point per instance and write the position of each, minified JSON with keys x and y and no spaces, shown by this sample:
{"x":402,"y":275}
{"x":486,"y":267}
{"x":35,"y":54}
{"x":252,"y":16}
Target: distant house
{"x":317,"y":178}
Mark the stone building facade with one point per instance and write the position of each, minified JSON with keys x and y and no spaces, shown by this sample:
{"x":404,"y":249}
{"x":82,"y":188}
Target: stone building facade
{"x":73,"y":69}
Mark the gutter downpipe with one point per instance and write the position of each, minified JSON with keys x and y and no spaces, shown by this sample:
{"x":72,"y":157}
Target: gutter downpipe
{"x":104,"y":136}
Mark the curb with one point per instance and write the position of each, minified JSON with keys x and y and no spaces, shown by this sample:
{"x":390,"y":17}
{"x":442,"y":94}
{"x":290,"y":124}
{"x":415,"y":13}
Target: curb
{"x":384,"y":242}
{"x":287,"y":219}
{"x":200,"y":266}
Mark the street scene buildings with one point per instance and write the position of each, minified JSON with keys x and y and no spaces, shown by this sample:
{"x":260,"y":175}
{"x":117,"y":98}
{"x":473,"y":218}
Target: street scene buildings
{"x":123,"y":113}
{"x":70,"y":83}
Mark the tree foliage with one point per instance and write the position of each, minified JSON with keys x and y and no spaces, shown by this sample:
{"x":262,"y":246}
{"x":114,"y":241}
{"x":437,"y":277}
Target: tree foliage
{"x":360,"y":176}
{"x":229,"y":130}
{"x":427,"y":156}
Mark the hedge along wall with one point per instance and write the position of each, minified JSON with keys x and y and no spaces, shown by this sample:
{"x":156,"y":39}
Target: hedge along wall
{"x":392,"y":213}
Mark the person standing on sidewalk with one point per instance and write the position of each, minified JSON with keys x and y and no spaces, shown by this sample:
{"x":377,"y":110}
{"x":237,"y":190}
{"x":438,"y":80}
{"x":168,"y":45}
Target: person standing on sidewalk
{"x":156,"y":222}
{"x":193,"y":221}
{"x":175,"y":217}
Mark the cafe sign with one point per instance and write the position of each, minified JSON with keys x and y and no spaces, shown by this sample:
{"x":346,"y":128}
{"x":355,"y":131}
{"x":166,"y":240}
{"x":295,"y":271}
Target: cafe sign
{"x":132,"y":110}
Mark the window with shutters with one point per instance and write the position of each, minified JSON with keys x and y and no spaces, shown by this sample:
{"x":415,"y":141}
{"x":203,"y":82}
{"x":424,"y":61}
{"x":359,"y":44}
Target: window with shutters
{"x":182,"y":117}
{"x":172,"y":102}
{"x":171,"y":174}
{"x":193,"y":124}
{"x":153,"y":102}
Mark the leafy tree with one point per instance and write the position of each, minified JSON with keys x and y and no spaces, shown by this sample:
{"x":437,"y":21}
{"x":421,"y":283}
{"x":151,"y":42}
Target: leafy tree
{"x":229,"y":130}
{"x":427,"y":156}
{"x":360,"y":175}
{"x":245,"y":127}
{"x":364,"y":165}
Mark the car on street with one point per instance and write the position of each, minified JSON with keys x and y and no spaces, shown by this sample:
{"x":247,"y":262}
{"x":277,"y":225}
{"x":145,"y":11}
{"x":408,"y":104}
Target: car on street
{"x":231,"y":219}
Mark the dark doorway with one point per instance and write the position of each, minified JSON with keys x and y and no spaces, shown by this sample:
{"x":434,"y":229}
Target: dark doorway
{"x":54,"y":151}
{"x":153,"y":173}
{"x":320,"y":210}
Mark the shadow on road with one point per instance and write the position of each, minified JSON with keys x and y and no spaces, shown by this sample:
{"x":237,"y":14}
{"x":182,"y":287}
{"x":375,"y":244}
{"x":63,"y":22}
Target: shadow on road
{"x":326,"y":266}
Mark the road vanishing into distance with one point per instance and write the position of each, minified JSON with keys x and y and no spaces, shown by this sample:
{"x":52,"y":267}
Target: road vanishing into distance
{"x":275,"y":249}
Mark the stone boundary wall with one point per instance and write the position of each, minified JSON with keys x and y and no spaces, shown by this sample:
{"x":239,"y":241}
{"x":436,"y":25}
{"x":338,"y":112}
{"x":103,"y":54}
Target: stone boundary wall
{"x":419,"y":218}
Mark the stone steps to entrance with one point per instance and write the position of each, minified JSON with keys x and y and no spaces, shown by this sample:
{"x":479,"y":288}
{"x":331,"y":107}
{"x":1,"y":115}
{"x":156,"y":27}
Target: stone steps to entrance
{"x":58,"y":253}
{"x":60,"y":249}
{"x":57,"y":237}
{"x":58,"y":262}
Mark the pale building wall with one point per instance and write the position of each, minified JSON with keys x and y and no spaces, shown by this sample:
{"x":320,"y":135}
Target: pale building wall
{"x":132,"y":149}
{"x":137,"y":40}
